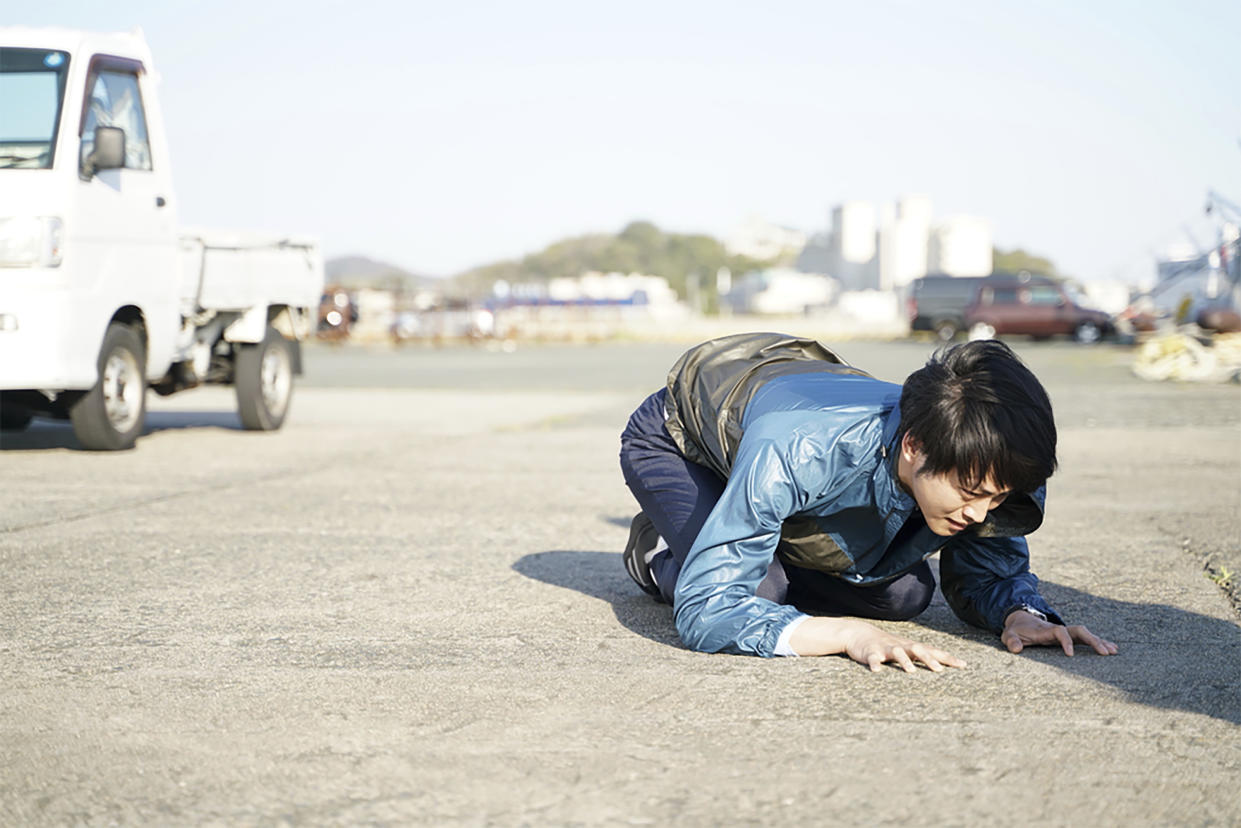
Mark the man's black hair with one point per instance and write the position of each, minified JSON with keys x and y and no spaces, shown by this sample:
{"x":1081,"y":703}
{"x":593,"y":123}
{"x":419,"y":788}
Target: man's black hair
{"x":976,"y":409}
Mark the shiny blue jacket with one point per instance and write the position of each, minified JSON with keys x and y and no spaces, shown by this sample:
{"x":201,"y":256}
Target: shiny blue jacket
{"x":822,"y":447}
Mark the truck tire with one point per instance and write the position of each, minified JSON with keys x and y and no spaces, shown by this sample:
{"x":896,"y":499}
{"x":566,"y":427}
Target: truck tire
{"x":110,"y":416}
{"x":263,"y":376}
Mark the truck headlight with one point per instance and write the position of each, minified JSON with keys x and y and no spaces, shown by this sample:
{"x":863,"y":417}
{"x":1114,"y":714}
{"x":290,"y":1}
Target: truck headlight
{"x":28,"y":241}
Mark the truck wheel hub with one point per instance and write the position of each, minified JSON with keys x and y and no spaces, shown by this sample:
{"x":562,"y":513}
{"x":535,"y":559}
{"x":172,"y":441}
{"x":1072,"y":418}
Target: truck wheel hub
{"x":122,"y":391}
{"x":276,"y":379}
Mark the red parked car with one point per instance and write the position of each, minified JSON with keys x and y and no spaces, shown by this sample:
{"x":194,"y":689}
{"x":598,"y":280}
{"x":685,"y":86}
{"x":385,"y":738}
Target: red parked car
{"x":1038,"y":310}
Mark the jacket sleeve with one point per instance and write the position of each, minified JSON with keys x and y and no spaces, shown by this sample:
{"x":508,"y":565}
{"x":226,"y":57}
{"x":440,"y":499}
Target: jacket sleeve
{"x":984,"y":579}
{"x":777,"y":471}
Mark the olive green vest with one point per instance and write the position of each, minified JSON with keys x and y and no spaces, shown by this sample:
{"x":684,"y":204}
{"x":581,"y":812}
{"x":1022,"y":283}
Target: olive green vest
{"x":708,"y":390}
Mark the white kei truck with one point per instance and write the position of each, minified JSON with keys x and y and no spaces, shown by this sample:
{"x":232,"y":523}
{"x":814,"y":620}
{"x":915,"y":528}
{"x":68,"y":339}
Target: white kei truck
{"x":102,"y":295}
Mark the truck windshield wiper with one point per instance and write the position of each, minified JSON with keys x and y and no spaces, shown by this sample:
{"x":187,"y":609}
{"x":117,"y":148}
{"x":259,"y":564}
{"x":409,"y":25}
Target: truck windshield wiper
{"x":19,"y":158}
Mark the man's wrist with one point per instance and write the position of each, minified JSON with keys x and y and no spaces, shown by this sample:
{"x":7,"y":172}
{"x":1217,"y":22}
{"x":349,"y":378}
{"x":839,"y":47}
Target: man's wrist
{"x":783,"y":647}
{"x":1049,"y":617}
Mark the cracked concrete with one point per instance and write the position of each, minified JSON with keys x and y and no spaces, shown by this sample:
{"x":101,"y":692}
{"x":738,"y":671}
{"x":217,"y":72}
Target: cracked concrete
{"x":408,"y":607}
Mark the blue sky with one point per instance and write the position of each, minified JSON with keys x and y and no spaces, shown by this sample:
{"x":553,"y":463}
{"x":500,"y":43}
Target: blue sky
{"x":441,"y":136}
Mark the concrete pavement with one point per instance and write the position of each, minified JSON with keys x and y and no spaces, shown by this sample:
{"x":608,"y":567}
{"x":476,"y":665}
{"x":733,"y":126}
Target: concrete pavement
{"x":408,"y":607}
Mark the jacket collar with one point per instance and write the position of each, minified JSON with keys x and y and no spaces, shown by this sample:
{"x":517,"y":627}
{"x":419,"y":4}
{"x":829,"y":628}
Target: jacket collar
{"x":1020,"y":514}
{"x":890,"y":496}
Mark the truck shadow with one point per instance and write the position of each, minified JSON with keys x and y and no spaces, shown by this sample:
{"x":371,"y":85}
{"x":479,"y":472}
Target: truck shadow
{"x":1170,"y":658}
{"x":171,"y":420}
{"x":43,"y":434}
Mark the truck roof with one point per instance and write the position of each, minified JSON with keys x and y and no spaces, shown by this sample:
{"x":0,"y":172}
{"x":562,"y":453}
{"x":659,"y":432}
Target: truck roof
{"x":131,"y":44}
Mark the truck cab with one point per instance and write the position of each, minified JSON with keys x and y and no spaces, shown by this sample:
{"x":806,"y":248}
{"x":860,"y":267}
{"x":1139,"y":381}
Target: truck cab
{"x":102,"y":294}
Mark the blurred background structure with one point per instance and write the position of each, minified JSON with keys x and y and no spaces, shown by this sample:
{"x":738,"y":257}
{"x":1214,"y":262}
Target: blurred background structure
{"x":559,"y":170}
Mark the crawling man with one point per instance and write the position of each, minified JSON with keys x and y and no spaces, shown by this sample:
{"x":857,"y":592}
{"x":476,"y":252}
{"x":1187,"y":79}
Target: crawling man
{"x":786,"y":495}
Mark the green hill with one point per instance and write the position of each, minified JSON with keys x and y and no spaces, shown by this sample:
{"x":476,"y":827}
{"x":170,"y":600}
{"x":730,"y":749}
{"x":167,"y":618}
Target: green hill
{"x":361,"y":272}
{"x":640,"y":248}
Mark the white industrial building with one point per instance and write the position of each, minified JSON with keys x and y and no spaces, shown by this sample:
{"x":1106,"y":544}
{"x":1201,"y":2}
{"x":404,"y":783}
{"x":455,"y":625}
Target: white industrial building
{"x":904,"y":235}
{"x":630,"y":288}
{"x":763,"y":241}
{"x":852,"y":251}
{"x":889,"y":248}
{"x":780,"y":291}
{"x":960,"y":246}
{"x":871,"y":250}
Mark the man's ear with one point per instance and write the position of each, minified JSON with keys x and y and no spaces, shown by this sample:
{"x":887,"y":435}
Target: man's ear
{"x":910,"y":447}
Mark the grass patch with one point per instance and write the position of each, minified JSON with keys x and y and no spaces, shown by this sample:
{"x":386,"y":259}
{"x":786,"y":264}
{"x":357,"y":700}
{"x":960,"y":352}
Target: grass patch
{"x":1222,"y":579}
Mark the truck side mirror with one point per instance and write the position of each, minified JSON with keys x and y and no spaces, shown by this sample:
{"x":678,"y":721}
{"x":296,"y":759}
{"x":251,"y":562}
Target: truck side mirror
{"x":109,"y":151}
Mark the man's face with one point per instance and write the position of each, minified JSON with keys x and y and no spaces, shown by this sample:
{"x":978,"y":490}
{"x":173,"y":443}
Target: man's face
{"x":947,"y":504}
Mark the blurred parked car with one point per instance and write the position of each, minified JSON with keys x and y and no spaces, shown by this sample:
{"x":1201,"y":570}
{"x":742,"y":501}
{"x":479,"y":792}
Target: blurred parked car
{"x":1035,"y":309}
{"x":337,"y":312}
{"x":937,"y":302}
{"x":450,"y":322}
{"x":1220,"y":318}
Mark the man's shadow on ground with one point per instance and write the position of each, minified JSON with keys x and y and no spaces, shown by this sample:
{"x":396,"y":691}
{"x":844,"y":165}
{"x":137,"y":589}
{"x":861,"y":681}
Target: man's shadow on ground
{"x":1170,"y":658}
{"x":43,"y":433}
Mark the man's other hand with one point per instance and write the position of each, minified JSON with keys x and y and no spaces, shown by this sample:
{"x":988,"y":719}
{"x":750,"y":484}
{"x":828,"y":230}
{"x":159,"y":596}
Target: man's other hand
{"x":1022,"y":629}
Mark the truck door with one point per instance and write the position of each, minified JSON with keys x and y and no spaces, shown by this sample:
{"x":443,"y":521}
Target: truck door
{"x":125,"y":224}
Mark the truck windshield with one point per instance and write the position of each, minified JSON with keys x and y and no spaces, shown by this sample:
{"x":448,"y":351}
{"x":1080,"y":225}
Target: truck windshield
{"x":32,"y":91}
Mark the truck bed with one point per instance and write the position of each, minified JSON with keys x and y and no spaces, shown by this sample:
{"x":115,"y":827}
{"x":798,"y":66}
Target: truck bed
{"x":230,"y":270}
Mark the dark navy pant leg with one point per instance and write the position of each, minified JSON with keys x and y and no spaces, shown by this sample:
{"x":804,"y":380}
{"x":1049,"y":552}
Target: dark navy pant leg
{"x":897,"y":600}
{"x":676,"y":494}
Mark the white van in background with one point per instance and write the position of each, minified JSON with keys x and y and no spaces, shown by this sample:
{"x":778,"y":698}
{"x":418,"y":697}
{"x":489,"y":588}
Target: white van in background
{"x":102,"y":295}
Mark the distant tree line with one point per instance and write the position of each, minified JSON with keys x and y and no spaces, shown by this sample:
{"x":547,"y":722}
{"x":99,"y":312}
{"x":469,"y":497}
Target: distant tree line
{"x":683,"y":259}
{"x":1017,"y":260}
{"x":639,"y":248}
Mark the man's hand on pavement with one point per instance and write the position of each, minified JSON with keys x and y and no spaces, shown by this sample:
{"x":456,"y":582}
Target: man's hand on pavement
{"x":866,"y":644}
{"x":1022,"y":629}
{"x":869,"y":645}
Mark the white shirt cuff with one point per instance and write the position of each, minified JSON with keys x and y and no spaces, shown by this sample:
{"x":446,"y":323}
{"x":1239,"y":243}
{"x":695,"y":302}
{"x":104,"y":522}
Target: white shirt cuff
{"x":782,"y":643}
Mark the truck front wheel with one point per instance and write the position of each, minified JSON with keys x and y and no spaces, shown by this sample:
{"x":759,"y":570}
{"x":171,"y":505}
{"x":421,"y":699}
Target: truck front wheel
{"x":263,"y":375}
{"x":110,"y":416}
